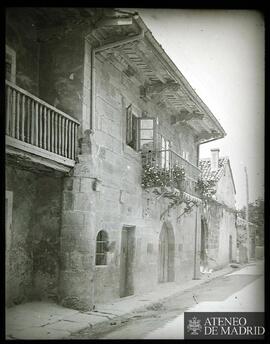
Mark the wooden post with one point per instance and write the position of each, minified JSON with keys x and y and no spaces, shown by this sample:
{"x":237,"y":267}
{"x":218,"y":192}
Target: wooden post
{"x":32,"y":121}
{"x":75,"y":140}
{"x":247,"y":216}
{"x":49,"y":130}
{"x":63,"y":137}
{"x":36,"y":115}
{"x":18,"y":116}
{"x":66,"y":137}
{"x":45,"y":128}
{"x":28,"y":119}
{"x":40,"y":126}
{"x":56,"y":132}
{"x":13,"y":113}
{"x":70,"y":139}
{"x":53,"y":131}
{"x":23,"y":117}
{"x":8,"y":110}
{"x":59,"y":121}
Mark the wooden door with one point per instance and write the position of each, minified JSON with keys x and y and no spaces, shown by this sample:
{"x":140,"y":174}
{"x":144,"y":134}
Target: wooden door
{"x":126,"y":261}
{"x":164,"y":255}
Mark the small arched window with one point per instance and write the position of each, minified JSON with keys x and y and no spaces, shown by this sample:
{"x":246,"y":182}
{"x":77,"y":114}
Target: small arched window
{"x":101,"y":248}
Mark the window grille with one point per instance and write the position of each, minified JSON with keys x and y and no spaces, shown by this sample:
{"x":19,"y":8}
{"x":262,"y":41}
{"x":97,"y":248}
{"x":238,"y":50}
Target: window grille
{"x":101,"y":248}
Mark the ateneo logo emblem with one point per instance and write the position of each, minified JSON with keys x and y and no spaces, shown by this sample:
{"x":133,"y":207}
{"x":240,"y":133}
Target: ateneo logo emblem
{"x":194,"y":326}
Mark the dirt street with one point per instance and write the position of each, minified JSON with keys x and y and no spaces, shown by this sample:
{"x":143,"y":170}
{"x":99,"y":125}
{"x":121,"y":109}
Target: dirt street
{"x":148,"y":320}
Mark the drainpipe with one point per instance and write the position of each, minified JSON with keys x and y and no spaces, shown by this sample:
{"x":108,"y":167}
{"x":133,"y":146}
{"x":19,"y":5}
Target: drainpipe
{"x":195,"y":275}
{"x":93,"y":54}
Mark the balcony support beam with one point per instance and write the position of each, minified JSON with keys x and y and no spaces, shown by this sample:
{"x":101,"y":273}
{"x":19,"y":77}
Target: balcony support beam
{"x":38,"y":155}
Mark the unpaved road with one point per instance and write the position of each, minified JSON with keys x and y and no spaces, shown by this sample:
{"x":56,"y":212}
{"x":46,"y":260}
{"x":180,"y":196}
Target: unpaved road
{"x":148,"y":320}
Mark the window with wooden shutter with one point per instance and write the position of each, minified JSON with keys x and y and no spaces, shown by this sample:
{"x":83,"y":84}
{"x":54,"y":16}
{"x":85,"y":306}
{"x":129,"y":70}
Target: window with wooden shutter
{"x":147,"y":129}
{"x":129,"y":125}
{"x":131,"y":129}
{"x":140,"y":132}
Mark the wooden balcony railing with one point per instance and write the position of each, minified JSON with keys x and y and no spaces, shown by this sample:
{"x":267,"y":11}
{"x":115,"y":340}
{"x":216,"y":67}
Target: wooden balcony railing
{"x":33,"y":121}
{"x":167,"y":159}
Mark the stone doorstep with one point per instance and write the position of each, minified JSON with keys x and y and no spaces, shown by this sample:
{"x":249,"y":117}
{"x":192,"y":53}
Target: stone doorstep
{"x":109,"y":315}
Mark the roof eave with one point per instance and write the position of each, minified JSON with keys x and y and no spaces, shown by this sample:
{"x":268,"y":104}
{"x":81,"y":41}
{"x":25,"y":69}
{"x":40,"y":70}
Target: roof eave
{"x":180,"y":77}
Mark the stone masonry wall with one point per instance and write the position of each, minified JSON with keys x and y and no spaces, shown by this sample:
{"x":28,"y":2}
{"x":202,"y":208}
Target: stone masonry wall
{"x":33,"y":247}
{"x":225,"y":190}
{"x":227,"y":228}
{"x":21,"y":37}
{"x":104,"y":193}
{"x":121,"y":200}
{"x":61,"y":73}
{"x":221,"y":224}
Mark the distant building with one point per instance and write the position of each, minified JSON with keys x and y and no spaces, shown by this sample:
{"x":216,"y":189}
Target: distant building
{"x":219,"y":236}
{"x":100,"y":125}
{"x":246,"y":240}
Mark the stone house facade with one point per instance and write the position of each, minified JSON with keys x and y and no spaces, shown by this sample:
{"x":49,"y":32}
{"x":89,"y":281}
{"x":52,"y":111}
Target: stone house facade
{"x":219,"y":235}
{"x":93,"y":106}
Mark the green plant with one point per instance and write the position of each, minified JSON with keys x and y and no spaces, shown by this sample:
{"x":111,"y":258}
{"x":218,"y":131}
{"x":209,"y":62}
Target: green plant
{"x":154,"y":176}
{"x":178,"y":176}
{"x":206,"y":188}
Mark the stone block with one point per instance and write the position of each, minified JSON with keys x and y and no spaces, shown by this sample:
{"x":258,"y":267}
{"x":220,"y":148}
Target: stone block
{"x":82,"y":202}
{"x":72,"y":184}
{"x":75,"y":261}
{"x":87,"y":261}
{"x":72,"y":218}
{"x":86,"y":184}
{"x":76,"y":289}
{"x":84,"y":168}
{"x":68,"y":200}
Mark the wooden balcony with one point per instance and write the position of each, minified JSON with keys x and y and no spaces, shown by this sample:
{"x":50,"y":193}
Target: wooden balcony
{"x":166,"y":160}
{"x":38,"y":130}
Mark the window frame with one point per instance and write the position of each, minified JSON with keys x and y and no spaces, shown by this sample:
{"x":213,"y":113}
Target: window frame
{"x":154,"y":130}
{"x":103,"y":251}
{"x":12,"y":53}
{"x":186,"y":155}
{"x":165,"y":154}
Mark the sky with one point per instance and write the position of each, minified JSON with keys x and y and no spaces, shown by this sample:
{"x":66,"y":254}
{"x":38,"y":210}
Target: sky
{"x":221,"y":54}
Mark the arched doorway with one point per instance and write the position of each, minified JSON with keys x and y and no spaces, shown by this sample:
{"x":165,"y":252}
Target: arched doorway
{"x":166,"y":253}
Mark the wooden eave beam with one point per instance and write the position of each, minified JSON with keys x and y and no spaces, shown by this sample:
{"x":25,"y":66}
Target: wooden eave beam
{"x":151,"y":63}
{"x":123,"y":55}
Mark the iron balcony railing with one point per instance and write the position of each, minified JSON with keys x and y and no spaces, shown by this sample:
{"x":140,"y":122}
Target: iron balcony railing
{"x":32,"y":120}
{"x":166,"y":160}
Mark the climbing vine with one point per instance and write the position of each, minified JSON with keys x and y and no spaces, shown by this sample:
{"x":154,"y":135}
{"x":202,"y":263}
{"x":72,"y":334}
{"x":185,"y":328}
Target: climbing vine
{"x":205,"y":188}
{"x":169,"y":184}
{"x":154,"y":176}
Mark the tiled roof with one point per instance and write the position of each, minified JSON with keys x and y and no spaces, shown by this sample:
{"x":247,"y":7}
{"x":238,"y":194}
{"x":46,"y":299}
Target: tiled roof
{"x":205,"y":167}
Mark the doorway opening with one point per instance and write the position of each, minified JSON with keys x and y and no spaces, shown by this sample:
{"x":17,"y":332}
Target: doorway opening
{"x":203,"y":256}
{"x":166,"y":253}
{"x":127,"y":261}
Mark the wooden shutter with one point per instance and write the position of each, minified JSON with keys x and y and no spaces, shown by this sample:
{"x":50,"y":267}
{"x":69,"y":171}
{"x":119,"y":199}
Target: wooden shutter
{"x":129,"y":125}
